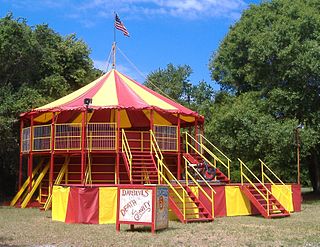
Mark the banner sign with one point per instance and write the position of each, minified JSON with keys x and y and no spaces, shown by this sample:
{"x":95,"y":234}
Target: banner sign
{"x":135,"y":205}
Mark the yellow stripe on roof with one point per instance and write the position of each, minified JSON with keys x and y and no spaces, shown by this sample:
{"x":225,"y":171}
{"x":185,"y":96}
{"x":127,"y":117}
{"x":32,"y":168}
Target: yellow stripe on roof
{"x":44,"y":117}
{"x":189,"y":119}
{"x":78,"y":119}
{"x":107,"y":94}
{"x":71,"y":96}
{"x":149,"y":98}
{"x":157,"y":118}
{"x":125,"y":121}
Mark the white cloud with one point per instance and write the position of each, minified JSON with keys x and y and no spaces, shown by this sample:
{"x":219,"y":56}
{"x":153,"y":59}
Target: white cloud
{"x":190,"y":9}
{"x":179,"y":8}
{"x":89,"y":12}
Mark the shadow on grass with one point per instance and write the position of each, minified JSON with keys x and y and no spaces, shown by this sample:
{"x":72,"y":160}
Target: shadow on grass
{"x":311,"y":198}
{"x":148,"y":229}
{"x":4,"y":239}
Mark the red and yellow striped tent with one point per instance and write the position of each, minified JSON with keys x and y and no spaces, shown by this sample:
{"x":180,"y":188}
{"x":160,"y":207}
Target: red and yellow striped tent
{"x":116,"y":92}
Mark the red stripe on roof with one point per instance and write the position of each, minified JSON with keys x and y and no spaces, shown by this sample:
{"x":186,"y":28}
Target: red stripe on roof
{"x":138,"y":119}
{"x":181,"y":108}
{"x":101,"y":116}
{"x":127,"y":98}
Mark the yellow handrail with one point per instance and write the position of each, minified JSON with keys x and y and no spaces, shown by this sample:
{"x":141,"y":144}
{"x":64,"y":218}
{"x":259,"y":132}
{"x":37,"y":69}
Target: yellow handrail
{"x":88,"y":178}
{"x":211,"y":199}
{"x":58,"y":180}
{"x":127,"y":151}
{"x":264,"y":175}
{"x":243,"y":175}
{"x":161,"y":176}
{"x":154,"y":147}
{"x":215,"y":158}
{"x":202,"y":137}
{"x":25,"y":184}
{"x":36,"y":185}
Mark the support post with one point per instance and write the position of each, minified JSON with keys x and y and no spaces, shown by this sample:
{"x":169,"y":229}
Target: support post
{"x":114,"y":48}
{"x":151,"y":119}
{"x":30,"y":160}
{"x":21,"y":155}
{"x":298,"y":155}
{"x":179,"y":148}
{"x":201,"y":138}
{"x":83,"y":141}
{"x":196,"y":131}
{"x":52,"y":153}
{"x":297,"y":135}
{"x":118,"y":148}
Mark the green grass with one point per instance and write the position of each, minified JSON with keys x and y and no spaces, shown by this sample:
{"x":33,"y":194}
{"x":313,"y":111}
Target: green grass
{"x":31,"y":227}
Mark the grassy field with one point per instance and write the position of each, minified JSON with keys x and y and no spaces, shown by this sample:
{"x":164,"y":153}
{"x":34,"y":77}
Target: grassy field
{"x":31,"y":227}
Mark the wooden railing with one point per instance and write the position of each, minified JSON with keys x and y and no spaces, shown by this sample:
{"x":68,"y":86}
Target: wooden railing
{"x":190,"y":176}
{"x":101,"y":136}
{"x":265,"y":177}
{"x":25,"y":142}
{"x":126,"y":150}
{"x":244,"y":170}
{"x":167,"y":137}
{"x":222,"y":158}
{"x":163,"y":170}
{"x":192,"y":145}
{"x":68,"y":137}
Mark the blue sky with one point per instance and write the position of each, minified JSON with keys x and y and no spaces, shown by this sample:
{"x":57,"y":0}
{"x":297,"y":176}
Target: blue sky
{"x":161,"y":31}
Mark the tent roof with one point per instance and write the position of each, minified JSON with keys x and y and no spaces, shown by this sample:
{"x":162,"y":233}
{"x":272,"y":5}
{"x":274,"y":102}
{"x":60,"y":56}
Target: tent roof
{"x":116,"y":91}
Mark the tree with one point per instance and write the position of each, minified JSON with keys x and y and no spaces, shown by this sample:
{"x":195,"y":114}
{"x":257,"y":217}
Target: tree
{"x":174,"y":82}
{"x":274,"y":50}
{"x":37,"y":65}
{"x":242,"y":127}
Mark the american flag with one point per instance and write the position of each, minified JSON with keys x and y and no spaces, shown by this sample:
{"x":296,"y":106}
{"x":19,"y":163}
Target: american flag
{"x":119,"y":25}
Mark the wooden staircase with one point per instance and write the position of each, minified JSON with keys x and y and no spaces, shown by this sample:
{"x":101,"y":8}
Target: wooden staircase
{"x":144,"y":159}
{"x":197,"y":159}
{"x":144,"y":169}
{"x":37,"y":182}
{"x":196,"y":211}
{"x":254,"y":194}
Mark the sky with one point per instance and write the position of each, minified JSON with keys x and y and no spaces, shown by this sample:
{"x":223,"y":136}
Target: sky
{"x":161,"y":31}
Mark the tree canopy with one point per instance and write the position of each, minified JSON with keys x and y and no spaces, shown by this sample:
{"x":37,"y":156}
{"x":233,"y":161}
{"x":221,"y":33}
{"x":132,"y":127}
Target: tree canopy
{"x":273,"y":52}
{"x":37,"y":65}
{"x":174,"y":82}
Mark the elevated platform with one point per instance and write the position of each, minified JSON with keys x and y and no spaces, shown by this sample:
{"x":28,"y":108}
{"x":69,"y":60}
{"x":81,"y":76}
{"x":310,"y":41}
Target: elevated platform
{"x":96,"y":204}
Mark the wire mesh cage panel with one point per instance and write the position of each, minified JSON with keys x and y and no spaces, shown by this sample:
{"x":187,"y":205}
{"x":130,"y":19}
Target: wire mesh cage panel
{"x":101,"y":136}
{"x":67,"y":136}
{"x":41,"y":138}
{"x":167,"y":137}
{"x":25,"y":144}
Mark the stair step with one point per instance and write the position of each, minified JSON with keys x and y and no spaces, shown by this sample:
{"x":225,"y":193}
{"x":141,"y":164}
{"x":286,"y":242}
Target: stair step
{"x":279,"y":215}
{"x":140,"y":160}
{"x":195,"y":213}
{"x":137,"y":166}
{"x":199,"y":219}
{"x":254,"y":189}
{"x":144,"y":167}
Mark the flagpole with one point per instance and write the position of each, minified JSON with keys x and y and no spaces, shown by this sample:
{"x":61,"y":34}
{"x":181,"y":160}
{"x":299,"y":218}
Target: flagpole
{"x":114,"y":43}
